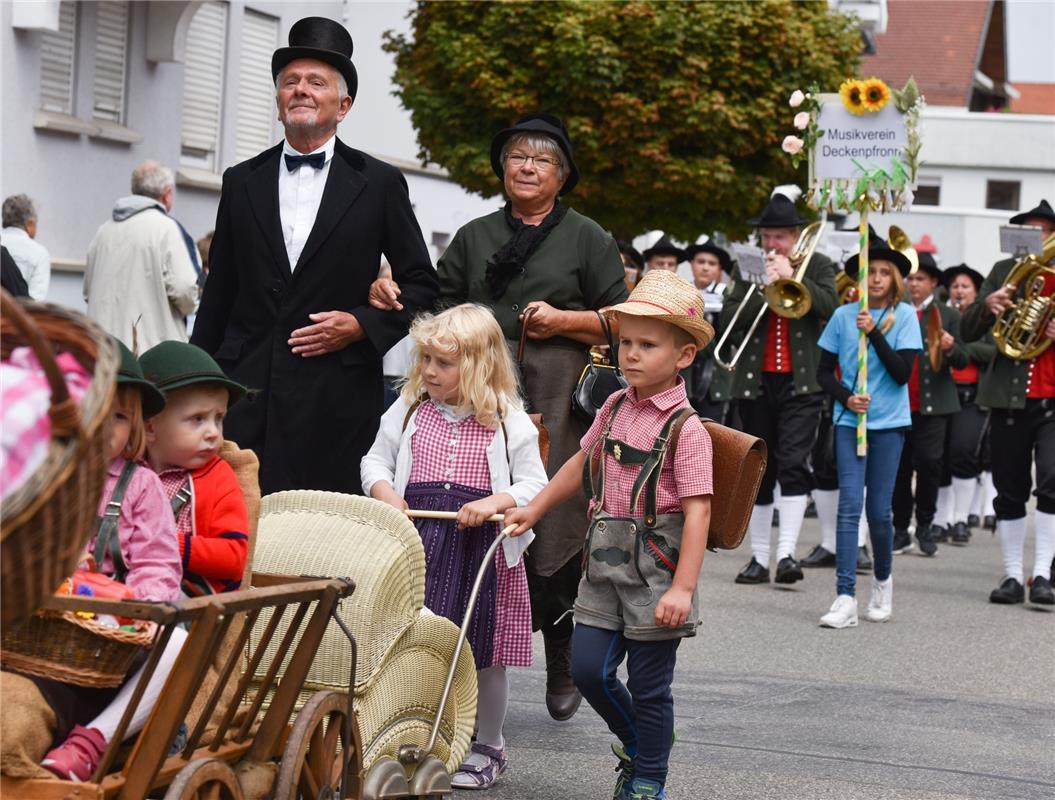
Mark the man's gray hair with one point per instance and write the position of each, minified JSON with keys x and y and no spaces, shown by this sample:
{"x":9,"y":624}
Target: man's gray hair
{"x":19,"y":211}
{"x":150,"y":179}
{"x":342,"y":84}
{"x":541,"y":144}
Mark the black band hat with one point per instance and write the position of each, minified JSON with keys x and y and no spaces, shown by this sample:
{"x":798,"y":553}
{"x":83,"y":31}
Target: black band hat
{"x":323,"y":40}
{"x":779,"y":212}
{"x":548,"y":125}
{"x":130,"y":373}
{"x":1043,"y":211}
{"x":664,"y":247}
{"x":962,"y":269}
{"x":710,"y":247}
{"x":631,"y":252}
{"x":880,"y":250}
{"x":930,"y":266}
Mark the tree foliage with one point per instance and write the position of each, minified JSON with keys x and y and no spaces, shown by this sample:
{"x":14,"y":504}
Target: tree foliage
{"x":676,"y":110}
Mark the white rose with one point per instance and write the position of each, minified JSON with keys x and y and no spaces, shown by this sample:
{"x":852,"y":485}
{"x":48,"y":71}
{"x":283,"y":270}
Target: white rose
{"x":792,"y":144}
{"x":802,"y":120}
{"x":796,"y":99}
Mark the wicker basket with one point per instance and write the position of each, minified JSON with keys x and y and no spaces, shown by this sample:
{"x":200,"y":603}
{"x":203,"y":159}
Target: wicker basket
{"x":45,"y":523}
{"x":68,"y":648}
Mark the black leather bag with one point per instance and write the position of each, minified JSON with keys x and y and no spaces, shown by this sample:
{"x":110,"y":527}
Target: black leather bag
{"x":600,"y":378}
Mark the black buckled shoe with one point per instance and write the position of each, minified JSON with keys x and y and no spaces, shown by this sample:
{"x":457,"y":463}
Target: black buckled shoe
{"x":753,"y":573}
{"x":989,"y":523}
{"x":925,"y":536}
{"x":1008,"y":593}
{"x":940,"y":533}
{"x":562,"y":698}
{"x":788,"y":571}
{"x":973,"y":521}
{"x":818,"y":557}
{"x":960,"y":534}
{"x":864,"y":561}
{"x":902,"y":541}
{"x":1040,"y":592}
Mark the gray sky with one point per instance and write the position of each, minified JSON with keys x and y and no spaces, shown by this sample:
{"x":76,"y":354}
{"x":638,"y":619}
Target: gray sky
{"x":1030,"y":26}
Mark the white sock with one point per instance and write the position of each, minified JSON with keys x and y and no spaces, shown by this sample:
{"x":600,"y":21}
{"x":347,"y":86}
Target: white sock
{"x":962,"y":495}
{"x":1045,"y":544}
{"x":792,"y":512}
{"x":978,"y":498}
{"x":943,"y":512}
{"x":990,"y":494}
{"x":107,"y":721}
{"x":826,"y":502}
{"x":492,"y":701}
{"x":1012,"y":535}
{"x":760,"y":525}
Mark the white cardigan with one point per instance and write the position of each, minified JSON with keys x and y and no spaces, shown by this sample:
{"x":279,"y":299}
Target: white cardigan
{"x":389,"y":460}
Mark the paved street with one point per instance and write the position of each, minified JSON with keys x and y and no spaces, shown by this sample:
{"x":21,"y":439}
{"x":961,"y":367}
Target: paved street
{"x":954,"y":698}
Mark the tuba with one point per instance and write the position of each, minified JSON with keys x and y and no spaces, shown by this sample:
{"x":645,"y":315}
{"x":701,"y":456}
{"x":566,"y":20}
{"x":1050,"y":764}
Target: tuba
{"x":1019,"y":330}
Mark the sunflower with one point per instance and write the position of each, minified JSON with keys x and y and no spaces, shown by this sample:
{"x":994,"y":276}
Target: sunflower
{"x":852,"y":93}
{"x":875,"y":94}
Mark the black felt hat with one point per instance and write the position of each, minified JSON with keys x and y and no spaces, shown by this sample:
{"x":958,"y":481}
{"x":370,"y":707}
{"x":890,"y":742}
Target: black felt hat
{"x":664,"y":247}
{"x":962,"y":269}
{"x":710,"y":247}
{"x":780,"y":212}
{"x":880,"y":250}
{"x":548,"y":125}
{"x":930,"y":266}
{"x":324,"y":40}
{"x":632,"y":253}
{"x":1043,"y":211}
{"x":130,"y":373}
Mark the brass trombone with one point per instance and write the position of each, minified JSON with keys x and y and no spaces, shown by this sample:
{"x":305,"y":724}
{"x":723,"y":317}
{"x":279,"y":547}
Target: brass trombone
{"x":787,"y":297}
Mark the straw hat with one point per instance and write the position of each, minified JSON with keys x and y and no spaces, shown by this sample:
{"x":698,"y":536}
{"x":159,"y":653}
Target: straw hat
{"x":665,"y":296}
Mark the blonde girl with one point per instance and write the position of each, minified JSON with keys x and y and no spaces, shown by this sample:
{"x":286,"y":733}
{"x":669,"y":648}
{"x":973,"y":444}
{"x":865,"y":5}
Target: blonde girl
{"x":458,"y":439}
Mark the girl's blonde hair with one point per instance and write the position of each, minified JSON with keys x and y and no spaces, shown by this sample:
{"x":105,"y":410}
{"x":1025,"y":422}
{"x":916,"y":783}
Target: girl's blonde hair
{"x":897,"y":293}
{"x":130,"y":400}
{"x":487,"y":379}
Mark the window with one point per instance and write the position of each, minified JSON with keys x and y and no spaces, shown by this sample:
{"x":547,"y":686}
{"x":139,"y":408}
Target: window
{"x":256,"y":89}
{"x":1002,"y":195}
{"x":928,"y":192}
{"x":57,"y":60}
{"x":111,"y":45}
{"x":203,"y":86}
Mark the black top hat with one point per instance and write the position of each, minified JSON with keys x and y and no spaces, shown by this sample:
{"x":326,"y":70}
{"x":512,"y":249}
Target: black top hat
{"x":546,"y":124}
{"x":324,"y":40}
{"x":631,"y":252}
{"x":879,"y":249}
{"x":710,"y":247}
{"x":779,"y":213}
{"x":130,"y":373}
{"x":962,"y":269}
{"x":1043,"y":211}
{"x":664,"y":247}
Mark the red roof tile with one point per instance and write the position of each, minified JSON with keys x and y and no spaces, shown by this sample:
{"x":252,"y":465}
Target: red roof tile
{"x":1037,"y":98}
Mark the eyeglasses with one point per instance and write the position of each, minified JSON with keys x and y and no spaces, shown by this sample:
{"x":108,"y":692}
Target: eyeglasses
{"x":542,"y":163}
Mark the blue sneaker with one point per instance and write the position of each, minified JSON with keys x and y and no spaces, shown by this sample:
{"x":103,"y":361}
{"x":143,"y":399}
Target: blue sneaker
{"x":625,"y":770}
{"x":646,"y":789}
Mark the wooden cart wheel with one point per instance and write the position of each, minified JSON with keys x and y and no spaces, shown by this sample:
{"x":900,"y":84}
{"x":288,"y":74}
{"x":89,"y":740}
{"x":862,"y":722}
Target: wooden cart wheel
{"x":205,"y":779}
{"x":315,"y":751}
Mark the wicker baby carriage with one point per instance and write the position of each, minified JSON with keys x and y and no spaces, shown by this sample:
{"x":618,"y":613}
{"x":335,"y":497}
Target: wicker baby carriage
{"x":45,"y":522}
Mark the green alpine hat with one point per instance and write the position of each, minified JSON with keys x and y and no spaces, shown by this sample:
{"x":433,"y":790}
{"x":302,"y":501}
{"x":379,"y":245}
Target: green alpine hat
{"x":174,"y":365}
{"x":131,"y":373}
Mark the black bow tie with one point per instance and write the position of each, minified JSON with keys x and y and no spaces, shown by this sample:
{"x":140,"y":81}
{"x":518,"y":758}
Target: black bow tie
{"x":315,"y":161}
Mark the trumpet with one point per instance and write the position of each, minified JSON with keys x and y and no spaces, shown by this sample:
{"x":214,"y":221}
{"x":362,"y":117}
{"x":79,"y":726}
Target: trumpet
{"x":1019,"y":329}
{"x":786,"y":297}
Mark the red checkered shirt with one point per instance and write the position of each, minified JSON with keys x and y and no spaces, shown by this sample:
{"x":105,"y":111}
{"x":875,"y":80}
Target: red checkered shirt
{"x":172,"y":480}
{"x":638,"y":423}
{"x":449,"y":451}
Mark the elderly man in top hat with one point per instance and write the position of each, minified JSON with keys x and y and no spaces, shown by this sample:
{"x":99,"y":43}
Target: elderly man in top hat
{"x":775,"y":387}
{"x":300,"y":233}
{"x":1021,"y":396}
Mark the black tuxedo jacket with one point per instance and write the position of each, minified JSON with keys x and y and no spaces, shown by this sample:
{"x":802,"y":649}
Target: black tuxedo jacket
{"x":310,"y":420}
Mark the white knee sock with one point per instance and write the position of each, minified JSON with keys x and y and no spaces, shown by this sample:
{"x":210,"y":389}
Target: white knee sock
{"x":492,"y":701}
{"x":943,"y":512}
{"x":978,"y":498}
{"x":1045,"y":544}
{"x":107,"y":721}
{"x":962,"y":495}
{"x":759,"y":527}
{"x":827,"y":503}
{"x":1012,"y":535}
{"x":792,"y":512}
{"x":990,"y":494}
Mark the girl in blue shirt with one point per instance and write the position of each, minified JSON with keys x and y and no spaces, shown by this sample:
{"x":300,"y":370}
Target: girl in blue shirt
{"x":893,"y":343}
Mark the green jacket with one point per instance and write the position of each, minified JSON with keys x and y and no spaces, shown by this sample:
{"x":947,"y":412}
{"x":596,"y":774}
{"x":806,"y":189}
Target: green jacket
{"x":1002,"y":383}
{"x":802,"y":333}
{"x":937,"y":390}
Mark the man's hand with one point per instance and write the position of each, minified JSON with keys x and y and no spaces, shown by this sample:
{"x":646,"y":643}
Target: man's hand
{"x":1000,"y":299}
{"x":332,"y":331}
{"x":778,"y":266}
{"x":947,"y":341}
{"x":546,"y":322}
{"x":524,"y":518}
{"x":384,"y":294}
{"x":673,"y":608}
{"x":1049,"y":331}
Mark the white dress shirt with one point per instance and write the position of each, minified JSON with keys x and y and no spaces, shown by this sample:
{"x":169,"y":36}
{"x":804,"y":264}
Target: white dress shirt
{"x":299,"y":198}
{"x":32,"y":260}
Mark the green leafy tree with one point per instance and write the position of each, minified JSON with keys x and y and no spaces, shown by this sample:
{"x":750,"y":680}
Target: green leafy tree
{"x":676,"y":110}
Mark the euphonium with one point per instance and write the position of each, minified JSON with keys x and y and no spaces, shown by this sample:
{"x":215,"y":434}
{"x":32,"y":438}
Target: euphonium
{"x":789,"y":297}
{"x":1019,"y":330}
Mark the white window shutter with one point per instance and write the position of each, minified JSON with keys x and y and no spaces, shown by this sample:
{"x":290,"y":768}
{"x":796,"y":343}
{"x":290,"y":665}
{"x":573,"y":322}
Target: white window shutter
{"x":57,"y":60}
{"x":256,"y":101}
{"x":203,"y":85}
{"x":111,"y":45}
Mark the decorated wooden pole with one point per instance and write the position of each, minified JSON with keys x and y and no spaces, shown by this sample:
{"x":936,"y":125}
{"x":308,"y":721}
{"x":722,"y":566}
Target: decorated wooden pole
{"x":862,"y":339}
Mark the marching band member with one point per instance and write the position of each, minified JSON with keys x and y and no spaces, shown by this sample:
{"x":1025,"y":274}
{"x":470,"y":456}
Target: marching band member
{"x":633,"y":263}
{"x":709,"y":384}
{"x":664,"y":254}
{"x":775,"y":386}
{"x":933,"y":400}
{"x":1021,"y":396}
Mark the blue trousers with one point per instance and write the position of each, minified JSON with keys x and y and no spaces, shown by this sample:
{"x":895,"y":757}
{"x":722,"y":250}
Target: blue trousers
{"x":877,"y":471}
{"x":641,"y":713}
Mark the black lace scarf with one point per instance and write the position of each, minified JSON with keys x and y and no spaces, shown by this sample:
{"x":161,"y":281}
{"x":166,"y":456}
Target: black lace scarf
{"x":508,"y":261}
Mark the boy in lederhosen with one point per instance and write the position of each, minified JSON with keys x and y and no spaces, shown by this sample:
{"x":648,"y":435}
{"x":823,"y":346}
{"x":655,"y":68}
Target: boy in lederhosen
{"x":649,"y":517}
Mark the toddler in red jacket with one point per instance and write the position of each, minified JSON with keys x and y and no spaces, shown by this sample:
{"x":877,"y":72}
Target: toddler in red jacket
{"x":183,"y":445}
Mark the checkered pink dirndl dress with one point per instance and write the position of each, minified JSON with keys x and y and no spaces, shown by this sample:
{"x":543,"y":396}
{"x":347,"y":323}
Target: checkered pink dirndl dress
{"x":449,"y":468}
